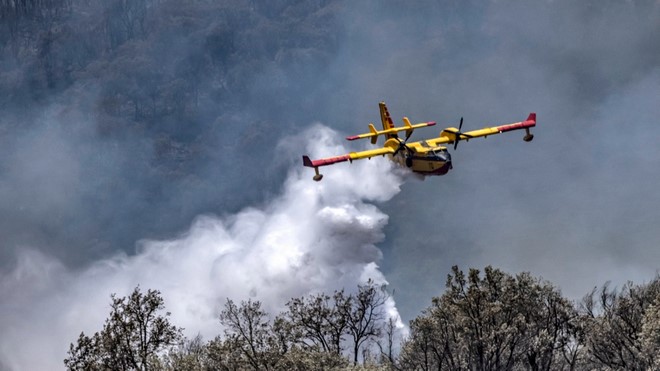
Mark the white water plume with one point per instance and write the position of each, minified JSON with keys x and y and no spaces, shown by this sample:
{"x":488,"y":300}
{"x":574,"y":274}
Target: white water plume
{"x":313,"y":237}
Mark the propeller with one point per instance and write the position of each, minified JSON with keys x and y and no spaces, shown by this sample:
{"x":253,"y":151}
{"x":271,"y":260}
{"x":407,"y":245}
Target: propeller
{"x":458,"y":134}
{"x":402,"y":145}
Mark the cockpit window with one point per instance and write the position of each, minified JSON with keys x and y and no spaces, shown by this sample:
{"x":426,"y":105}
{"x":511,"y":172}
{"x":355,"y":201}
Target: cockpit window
{"x":442,"y":154}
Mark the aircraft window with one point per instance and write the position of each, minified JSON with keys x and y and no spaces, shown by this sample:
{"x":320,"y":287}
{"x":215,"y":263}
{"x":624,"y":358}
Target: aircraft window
{"x":441,"y":154}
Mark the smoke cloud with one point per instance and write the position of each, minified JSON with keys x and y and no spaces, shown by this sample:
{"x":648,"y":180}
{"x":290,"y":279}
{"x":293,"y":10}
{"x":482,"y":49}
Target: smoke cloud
{"x":314,"y":237}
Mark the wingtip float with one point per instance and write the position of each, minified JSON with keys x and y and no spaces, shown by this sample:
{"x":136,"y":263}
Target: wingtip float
{"x":425,"y":157}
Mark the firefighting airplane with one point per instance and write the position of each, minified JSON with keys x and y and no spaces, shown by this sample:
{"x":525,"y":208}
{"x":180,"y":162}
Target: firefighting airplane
{"x":425,"y":157}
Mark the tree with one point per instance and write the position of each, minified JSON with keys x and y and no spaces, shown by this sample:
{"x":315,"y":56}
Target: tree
{"x":387,"y":351}
{"x":190,"y":355}
{"x":621,"y":325}
{"x":494,"y":322}
{"x":250,"y":340}
{"x":317,"y":322}
{"x":320,"y":323}
{"x":310,"y":334}
{"x":133,"y":337}
{"x":364,"y":313}
{"x":650,"y":336}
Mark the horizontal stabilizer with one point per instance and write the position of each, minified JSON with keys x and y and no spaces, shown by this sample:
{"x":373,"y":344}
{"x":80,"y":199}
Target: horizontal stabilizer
{"x":375,"y":133}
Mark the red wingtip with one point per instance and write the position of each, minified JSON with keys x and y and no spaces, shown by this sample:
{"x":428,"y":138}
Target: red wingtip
{"x":532,"y":117}
{"x":352,"y":137}
{"x":325,"y":161}
{"x":431,"y":123}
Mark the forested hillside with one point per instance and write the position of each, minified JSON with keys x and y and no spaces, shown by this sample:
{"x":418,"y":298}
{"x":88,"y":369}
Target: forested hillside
{"x":158,"y":104}
{"x":483,"y":321}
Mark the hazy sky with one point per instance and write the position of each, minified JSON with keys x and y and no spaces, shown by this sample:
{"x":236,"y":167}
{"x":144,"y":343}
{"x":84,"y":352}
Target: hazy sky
{"x":576,"y":206}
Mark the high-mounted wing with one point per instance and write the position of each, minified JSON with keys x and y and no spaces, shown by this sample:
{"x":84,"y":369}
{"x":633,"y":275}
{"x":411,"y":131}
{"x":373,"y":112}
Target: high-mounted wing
{"x":453,"y":135}
{"x":407,"y":126}
{"x":347,"y":157}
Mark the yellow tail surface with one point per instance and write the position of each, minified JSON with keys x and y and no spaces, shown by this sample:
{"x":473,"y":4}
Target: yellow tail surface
{"x":386,"y":119}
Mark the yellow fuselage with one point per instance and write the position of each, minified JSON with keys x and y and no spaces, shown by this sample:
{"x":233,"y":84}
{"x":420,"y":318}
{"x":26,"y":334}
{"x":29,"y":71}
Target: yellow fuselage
{"x":420,"y":157}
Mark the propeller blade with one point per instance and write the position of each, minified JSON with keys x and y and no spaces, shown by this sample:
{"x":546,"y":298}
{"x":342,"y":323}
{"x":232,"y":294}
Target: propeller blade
{"x":458,"y":134}
{"x":398,"y":148}
{"x":407,"y":136}
{"x":402,"y":144}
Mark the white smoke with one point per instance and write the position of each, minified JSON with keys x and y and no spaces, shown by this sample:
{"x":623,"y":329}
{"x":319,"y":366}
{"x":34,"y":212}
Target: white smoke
{"x":314,"y":237}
